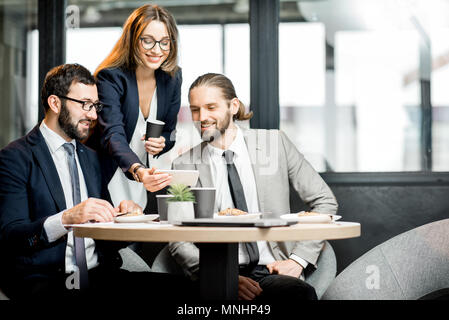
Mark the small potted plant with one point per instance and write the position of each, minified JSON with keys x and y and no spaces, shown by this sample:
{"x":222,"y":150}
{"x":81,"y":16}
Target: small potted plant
{"x":180,"y":206}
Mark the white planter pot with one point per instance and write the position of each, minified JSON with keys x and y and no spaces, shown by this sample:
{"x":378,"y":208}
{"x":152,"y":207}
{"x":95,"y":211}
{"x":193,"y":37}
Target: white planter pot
{"x":180,"y":210}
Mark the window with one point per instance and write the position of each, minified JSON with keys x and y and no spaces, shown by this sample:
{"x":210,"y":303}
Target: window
{"x":353,"y":75}
{"x":440,"y":98}
{"x":383,"y":119}
{"x":18,"y":53}
{"x":351,"y":78}
{"x":213,"y":37}
{"x":302,"y":74}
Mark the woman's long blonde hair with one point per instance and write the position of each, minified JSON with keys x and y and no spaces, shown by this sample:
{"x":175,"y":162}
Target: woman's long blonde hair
{"x":126,"y":51}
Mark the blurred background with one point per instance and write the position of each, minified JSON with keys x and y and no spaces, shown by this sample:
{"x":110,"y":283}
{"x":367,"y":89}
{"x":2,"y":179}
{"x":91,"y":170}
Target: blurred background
{"x":359,"y":86}
{"x":350,"y":72}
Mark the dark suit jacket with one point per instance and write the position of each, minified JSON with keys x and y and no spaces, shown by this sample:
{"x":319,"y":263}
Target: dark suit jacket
{"x":30,"y":191}
{"x":117,"y":90}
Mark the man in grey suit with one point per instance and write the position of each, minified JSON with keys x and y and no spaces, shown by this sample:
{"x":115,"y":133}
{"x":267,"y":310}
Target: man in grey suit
{"x":251,"y":170}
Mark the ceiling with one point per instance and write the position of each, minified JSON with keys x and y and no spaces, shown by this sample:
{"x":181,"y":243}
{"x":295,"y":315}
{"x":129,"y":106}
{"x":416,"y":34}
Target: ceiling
{"x":335,"y":14}
{"x":112,"y":13}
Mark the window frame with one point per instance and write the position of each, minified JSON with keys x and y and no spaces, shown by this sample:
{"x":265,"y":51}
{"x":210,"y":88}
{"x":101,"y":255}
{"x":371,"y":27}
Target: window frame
{"x":264,"y":84}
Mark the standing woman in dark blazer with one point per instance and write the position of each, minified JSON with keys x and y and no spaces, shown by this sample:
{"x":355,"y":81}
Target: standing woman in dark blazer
{"x":139,"y":80}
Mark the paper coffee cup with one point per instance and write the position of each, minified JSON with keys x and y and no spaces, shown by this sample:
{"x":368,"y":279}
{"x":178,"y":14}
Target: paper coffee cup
{"x":154,"y":129}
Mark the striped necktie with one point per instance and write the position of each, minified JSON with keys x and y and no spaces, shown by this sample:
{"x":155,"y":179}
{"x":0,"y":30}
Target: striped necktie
{"x":80,"y":250}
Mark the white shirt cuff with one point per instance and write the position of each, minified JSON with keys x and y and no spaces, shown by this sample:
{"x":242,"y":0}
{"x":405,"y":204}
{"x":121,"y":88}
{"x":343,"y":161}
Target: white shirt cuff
{"x":54,"y":228}
{"x":301,"y":261}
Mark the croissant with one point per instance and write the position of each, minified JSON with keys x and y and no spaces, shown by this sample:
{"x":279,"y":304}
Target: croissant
{"x":231,"y":212}
{"x":308,"y":213}
{"x":135,"y":212}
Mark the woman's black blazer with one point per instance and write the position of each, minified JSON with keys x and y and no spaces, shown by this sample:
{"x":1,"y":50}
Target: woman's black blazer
{"x":117,"y":90}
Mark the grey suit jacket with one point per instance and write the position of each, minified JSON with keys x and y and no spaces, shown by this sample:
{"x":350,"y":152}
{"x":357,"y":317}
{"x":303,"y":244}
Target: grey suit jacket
{"x":276,"y":164}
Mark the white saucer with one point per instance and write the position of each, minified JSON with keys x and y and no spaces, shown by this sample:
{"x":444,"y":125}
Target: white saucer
{"x":321,"y":218}
{"x":134,"y":219}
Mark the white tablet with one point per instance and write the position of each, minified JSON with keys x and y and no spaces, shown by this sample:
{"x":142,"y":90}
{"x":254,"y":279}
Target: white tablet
{"x":187,"y":177}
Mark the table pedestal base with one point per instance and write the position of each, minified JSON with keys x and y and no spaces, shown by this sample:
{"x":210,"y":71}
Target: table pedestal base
{"x":219,"y":271}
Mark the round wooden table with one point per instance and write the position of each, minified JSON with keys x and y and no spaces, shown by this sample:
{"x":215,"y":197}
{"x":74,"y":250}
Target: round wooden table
{"x":218,"y":245}
{"x":144,"y":232}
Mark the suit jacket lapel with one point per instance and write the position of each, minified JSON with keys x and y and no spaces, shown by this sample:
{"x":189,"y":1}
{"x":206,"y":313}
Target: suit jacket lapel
{"x":131,"y":114}
{"x":255,"y":150}
{"x":161,"y":95}
{"x":88,"y":173}
{"x":202,"y":162}
{"x":45,"y":162}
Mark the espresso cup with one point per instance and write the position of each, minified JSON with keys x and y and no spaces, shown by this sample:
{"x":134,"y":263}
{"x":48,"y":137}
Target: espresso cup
{"x":154,"y":129}
{"x":162,"y":206}
{"x":204,"y":202}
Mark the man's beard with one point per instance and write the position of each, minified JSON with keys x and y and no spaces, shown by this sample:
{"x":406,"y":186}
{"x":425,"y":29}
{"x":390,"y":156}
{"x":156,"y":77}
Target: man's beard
{"x":68,"y":127}
{"x":214,"y":134}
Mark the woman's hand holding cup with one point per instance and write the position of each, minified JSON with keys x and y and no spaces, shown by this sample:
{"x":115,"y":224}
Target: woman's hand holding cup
{"x":154,"y":145}
{"x":154,"y":141}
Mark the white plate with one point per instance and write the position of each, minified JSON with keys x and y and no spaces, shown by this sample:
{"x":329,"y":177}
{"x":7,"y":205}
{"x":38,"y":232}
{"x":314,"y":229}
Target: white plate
{"x":322,"y":218}
{"x":134,"y":219}
{"x":187,"y":177}
{"x":242,"y":216}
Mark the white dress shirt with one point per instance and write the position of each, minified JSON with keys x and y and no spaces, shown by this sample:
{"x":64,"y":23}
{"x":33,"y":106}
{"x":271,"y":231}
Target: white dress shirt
{"x":223,"y":198}
{"x":53,"y":225}
{"x":120,"y":187}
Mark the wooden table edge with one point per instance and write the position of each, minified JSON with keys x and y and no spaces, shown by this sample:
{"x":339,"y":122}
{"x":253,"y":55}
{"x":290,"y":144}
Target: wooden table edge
{"x":340,"y":230}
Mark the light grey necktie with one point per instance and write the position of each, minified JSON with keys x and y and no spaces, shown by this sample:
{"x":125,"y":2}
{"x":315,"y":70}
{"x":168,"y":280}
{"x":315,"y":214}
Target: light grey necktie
{"x":238,"y":197}
{"x":80,"y":250}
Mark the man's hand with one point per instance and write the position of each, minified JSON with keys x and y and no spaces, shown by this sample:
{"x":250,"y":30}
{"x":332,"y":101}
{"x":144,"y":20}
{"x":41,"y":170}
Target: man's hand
{"x":248,"y":288}
{"x":127,"y":206}
{"x":91,"y":209}
{"x":285,"y":267}
{"x":154,"y":145}
{"x":153,"y":181}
